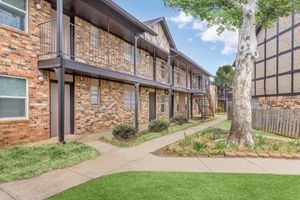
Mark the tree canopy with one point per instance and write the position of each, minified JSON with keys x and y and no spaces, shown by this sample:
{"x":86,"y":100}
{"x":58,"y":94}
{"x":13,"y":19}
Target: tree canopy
{"x":224,"y":76}
{"x":227,"y":14}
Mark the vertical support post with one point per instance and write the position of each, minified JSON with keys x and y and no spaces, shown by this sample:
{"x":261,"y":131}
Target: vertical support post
{"x":170,"y":71}
{"x":154,"y":64}
{"x":72,"y":37}
{"x":108,"y":43}
{"x":191,"y":106}
{"x":61,"y":72}
{"x":170,"y":89}
{"x":170,"y":104}
{"x":137,"y":101}
{"x":59,"y":27}
{"x":188,"y":104}
{"x":135,"y":54}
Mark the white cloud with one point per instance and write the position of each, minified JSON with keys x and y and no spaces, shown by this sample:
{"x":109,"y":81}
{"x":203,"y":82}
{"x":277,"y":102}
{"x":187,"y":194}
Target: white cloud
{"x":208,"y":34}
{"x":213,"y":48}
{"x":182,"y":19}
{"x":199,"y":25}
{"x":228,"y":38}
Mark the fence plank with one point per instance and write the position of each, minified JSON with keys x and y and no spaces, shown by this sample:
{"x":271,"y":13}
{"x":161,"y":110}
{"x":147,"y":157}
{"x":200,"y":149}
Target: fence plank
{"x":279,"y":121}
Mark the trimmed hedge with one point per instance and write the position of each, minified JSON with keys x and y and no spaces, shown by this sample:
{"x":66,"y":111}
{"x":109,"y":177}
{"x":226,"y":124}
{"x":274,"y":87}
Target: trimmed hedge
{"x":124,"y":131}
{"x":180,"y":119}
{"x":158,"y":125}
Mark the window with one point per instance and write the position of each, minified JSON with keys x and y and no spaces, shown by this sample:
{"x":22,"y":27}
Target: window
{"x":128,"y":52}
{"x":186,"y":103}
{"x":129,"y":97}
{"x":95,"y":37}
{"x":13,"y":97}
{"x":162,"y":70}
{"x":178,"y":77}
{"x":177,"y":103}
{"x":13,"y":13}
{"x":162,"y":103}
{"x":95,"y":95}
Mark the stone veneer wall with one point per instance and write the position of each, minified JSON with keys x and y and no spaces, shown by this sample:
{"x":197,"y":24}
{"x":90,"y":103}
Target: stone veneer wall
{"x":286,"y":102}
{"x":18,"y":57}
{"x":159,"y":114}
{"x":182,"y":109}
{"x":110,"y":112}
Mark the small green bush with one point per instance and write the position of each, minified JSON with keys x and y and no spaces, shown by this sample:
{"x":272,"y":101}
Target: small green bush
{"x":158,"y":125}
{"x":220,"y":146}
{"x":124,"y":131}
{"x":262,"y":140}
{"x":180,"y":119}
{"x":199,"y":146}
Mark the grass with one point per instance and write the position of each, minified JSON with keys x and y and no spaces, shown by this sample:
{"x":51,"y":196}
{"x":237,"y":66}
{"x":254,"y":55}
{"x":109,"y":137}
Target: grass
{"x":186,"y":186}
{"x":26,"y":161}
{"x":227,"y":123}
{"x":212,"y":143}
{"x":146,"y":136}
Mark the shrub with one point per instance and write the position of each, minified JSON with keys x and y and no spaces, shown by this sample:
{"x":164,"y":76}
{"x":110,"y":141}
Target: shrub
{"x":262,"y":140}
{"x":219,"y":110}
{"x":124,"y":131}
{"x":220,"y":146}
{"x":180,"y":119}
{"x":216,"y":135}
{"x":158,"y":125}
{"x":199,"y":146}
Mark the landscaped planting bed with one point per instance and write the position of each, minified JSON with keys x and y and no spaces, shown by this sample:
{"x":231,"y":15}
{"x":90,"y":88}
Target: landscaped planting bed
{"x":212,"y":143}
{"x":26,"y":161}
{"x":144,"y":136}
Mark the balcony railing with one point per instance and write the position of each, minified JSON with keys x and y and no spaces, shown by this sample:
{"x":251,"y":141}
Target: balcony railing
{"x":95,"y":47}
{"x":201,"y":85}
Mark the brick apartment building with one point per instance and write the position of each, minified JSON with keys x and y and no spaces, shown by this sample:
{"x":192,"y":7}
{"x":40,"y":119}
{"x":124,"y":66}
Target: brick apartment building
{"x":276,"y":78}
{"x":116,"y":69}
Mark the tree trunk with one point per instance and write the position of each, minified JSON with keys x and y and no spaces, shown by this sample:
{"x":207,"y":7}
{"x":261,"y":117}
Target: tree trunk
{"x":240,"y":132}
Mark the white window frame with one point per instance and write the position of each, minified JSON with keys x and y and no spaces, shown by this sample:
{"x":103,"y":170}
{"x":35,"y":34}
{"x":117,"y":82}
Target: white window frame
{"x":131,"y":92}
{"x":12,"y":97}
{"x":163,"y":102}
{"x":128,"y":57}
{"x":163,"y":70}
{"x":94,"y":37}
{"x":177,"y":104}
{"x":19,"y":10}
{"x":98,"y":93}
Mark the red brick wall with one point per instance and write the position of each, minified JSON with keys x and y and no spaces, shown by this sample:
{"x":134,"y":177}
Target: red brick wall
{"x":18,"y":52}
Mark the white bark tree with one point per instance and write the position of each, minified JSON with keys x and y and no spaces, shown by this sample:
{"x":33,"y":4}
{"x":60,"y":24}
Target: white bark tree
{"x":244,"y":15}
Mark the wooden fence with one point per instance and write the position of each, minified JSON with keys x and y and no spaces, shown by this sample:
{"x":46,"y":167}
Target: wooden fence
{"x":279,"y":121}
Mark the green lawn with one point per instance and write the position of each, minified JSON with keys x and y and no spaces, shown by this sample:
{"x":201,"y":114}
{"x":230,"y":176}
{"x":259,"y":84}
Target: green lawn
{"x":186,"y":186}
{"x":227,"y":123}
{"x":26,"y":161}
{"x":150,"y":136}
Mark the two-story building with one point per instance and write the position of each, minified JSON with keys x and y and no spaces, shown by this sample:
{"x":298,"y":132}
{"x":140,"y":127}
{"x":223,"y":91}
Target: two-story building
{"x":77,"y":67}
{"x":276,"y":77}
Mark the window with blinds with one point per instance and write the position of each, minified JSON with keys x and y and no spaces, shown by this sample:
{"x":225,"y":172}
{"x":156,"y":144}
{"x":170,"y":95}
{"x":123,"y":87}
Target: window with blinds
{"x":13,"y":97}
{"x":162,"y":103}
{"x":177,"y":104}
{"x":128,"y":52}
{"x":95,"y":92}
{"x":13,"y":13}
{"x":129,"y":97}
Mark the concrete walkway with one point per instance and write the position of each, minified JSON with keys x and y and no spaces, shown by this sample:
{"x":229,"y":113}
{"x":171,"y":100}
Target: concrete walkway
{"x":139,"y":158}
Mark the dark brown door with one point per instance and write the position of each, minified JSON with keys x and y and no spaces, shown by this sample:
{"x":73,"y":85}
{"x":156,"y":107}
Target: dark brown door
{"x":152,"y":106}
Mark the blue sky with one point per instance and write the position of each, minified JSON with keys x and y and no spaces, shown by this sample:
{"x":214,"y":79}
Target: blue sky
{"x":191,"y":36}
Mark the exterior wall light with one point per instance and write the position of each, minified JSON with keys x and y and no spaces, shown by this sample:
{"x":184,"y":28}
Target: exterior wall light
{"x":38,"y":6}
{"x":41,"y":78}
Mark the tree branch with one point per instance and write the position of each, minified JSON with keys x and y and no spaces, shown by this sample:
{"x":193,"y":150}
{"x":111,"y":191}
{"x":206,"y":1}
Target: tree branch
{"x":235,"y":3}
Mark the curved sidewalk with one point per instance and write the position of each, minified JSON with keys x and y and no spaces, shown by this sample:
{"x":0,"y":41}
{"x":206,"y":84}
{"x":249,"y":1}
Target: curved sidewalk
{"x":114,"y":159}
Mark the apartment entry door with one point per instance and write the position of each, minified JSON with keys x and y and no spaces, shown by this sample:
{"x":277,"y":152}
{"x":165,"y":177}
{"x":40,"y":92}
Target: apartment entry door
{"x":54,"y":109}
{"x":152,"y":106}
